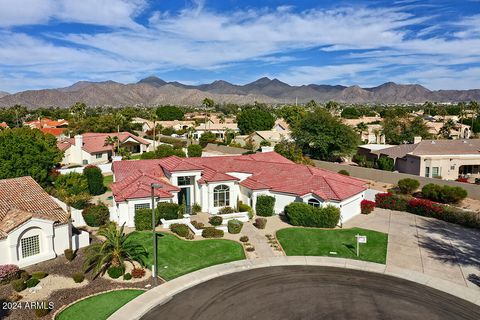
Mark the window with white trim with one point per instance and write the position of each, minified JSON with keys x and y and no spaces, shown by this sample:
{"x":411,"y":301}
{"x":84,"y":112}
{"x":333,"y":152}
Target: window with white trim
{"x":435,"y":172}
{"x":142,"y":206}
{"x":30,"y":246}
{"x":314,"y":202}
{"x":98,"y":155}
{"x":221,"y":196}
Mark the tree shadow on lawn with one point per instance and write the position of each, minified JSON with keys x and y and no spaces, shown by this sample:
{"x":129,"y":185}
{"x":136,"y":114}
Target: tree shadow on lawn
{"x":450,"y":243}
{"x":350,"y":247}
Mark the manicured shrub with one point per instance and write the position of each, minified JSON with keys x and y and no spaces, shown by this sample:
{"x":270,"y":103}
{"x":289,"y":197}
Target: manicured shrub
{"x":244,"y":239}
{"x":264,"y":206}
{"x":215,"y":220}
{"x":19,"y":285}
{"x":250,"y":249}
{"x":242,"y":207}
{"x":344,"y":172}
{"x":127,"y":276}
{"x":39,"y":274}
{"x":78,"y":277}
{"x":197,"y":225}
{"x":303,"y":214}
{"x":385,"y":163}
{"x":94,"y":179}
{"x":234,"y":226}
{"x":96,"y":215}
{"x":8,"y":272}
{"x":367,"y":206}
{"x":390,"y":201}
{"x":181,"y":229}
{"x":444,"y":194}
{"x":24,"y":275}
{"x":32,"y":282}
{"x":69,"y":254}
{"x":42,"y":309}
{"x":196,"y":208}
{"x":226,"y":210}
{"x":194,"y":150}
{"x":138,"y":273}
{"x":168,"y":211}
{"x":79,"y":201}
{"x":211,"y":232}
{"x":427,"y":208}
{"x":115,"y":272}
{"x":260,"y":223}
{"x":407,"y":185}
{"x":143,"y":219}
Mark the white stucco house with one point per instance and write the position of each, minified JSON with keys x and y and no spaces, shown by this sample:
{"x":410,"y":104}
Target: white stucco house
{"x":217,"y":182}
{"x":33,"y":228}
{"x":219,"y":129}
{"x":90,"y":148}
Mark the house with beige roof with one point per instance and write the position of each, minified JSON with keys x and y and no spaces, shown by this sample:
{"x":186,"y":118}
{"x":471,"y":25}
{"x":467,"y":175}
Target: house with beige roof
{"x":91,"y":148}
{"x":33,"y":227}
{"x":219,"y":129}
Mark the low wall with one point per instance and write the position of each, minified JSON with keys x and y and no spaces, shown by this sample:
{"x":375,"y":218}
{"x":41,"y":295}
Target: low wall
{"x":106,"y":168}
{"x":393,"y":177}
{"x":76,"y":214}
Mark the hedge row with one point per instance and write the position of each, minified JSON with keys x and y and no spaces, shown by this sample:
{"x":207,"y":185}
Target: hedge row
{"x":264,"y":206}
{"x":444,"y":194}
{"x":303,"y":214}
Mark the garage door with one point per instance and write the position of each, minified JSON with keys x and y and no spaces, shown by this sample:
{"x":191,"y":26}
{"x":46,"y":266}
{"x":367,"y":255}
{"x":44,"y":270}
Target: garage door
{"x":351,"y":208}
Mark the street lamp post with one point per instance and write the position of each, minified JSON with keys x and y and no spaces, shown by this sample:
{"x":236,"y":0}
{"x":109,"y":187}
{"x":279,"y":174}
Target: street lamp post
{"x":154,"y":235}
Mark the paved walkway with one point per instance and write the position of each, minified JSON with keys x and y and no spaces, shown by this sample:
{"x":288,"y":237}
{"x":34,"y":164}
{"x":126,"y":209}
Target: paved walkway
{"x":259,"y":241}
{"x":427,"y":245}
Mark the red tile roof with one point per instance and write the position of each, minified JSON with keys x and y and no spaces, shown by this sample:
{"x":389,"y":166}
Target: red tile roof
{"x":268,"y":170}
{"x":21,"y":199}
{"x":3,"y":125}
{"x":53,"y":131}
{"x":138,"y":185}
{"x":95,"y":142}
{"x":47,"y":123}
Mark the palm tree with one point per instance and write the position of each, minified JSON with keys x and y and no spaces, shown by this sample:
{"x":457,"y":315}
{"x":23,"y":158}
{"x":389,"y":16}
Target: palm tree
{"x":112,"y":141}
{"x":114,"y":251}
{"x":473,"y":105}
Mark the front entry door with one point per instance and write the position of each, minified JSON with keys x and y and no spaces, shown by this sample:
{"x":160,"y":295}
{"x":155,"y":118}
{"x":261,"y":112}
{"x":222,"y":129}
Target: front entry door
{"x":184,"y":197}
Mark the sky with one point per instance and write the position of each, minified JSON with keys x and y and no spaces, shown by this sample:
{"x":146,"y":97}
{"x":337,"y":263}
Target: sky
{"x":54,"y":43}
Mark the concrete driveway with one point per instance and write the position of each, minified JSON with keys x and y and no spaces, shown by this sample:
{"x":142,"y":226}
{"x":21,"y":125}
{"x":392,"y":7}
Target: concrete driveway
{"x":427,"y":245}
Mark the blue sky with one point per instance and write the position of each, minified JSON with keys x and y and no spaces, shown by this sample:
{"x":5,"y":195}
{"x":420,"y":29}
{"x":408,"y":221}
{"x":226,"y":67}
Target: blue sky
{"x":54,"y":43}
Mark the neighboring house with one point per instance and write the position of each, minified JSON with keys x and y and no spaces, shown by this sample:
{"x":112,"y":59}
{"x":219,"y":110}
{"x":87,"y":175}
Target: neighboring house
{"x":147,"y":125}
{"x":219,"y":129}
{"x":33,"y":228}
{"x":217,"y":182}
{"x":56,"y":128}
{"x":446,"y":159}
{"x":373,"y":134}
{"x":458,"y":131}
{"x":213,"y":150}
{"x":281,"y":126}
{"x":257,"y":137}
{"x":90,"y":148}
{"x":3,"y":125}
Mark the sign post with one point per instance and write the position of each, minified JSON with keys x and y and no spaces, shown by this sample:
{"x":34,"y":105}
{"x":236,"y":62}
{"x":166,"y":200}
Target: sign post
{"x":360,"y":239}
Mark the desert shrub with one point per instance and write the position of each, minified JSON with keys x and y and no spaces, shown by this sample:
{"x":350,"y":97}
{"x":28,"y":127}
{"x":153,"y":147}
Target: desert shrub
{"x":32,"y":282}
{"x":196,"y":208}
{"x":94,"y":180}
{"x":303,"y":214}
{"x":39,"y":274}
{"x":407,"y":185}
{"x":181,"y":229}
{"x":42,"y":309}
{"x":194,"y":150}
{"x":234,"y":226}
{"x":197,"y":225}
{"x":78,"y":277}
{"x":211,"y":232}
{"x":344,"y":172}
{"x":69,"y":254}
{"x":168,"y":211}
{"x":79,"y":201}
{"x":390,"y":201}
{"x":96,"y":215}
{"x":24,"y":275}
{"x":18,"y":285}
{"x":127,"y":276}
{"x":176,"y":143}
{"x":215,"y":220}
{"x":115,"y":272}
{"x":385,"y":163}
{"x":226,"y":210}
{"x":190,"y":236}
{"x":367,"y":206}
{"x":444,"y":194}
{"x":250,"y":249}
{"x":8,"y":272}
{"x":264,"y":206}
{"x":260,"y":223}
{"x":143,"y":219}
{"x":138,"y":273}
{"x":244,"y":239}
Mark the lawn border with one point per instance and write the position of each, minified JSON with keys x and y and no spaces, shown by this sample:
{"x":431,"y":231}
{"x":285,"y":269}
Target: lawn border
{"x":58,"y":311}
{"x":139,"y":306}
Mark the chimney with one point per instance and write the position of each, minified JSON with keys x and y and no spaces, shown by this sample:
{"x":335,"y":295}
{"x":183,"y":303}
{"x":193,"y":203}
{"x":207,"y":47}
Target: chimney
{"x":417,"y":140}
{"x":267,"y":149}
{"x":79,"y":140}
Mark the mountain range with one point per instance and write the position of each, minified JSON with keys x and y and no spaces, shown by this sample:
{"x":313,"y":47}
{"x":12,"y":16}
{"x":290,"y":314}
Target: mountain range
{"x":155,"y":91}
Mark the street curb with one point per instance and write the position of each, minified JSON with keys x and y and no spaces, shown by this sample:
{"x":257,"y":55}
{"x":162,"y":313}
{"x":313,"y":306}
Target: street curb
{"x":139,"y":306}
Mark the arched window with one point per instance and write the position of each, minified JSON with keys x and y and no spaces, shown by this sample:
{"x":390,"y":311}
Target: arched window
{"x":314,"y":202}
{"x":221,"y":196}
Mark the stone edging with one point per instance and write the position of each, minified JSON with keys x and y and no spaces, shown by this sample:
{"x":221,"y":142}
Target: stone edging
{"x":139,"y":306}
{"x":54,"y":315}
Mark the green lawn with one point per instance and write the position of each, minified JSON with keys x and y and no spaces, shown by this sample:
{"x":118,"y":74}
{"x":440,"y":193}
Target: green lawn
{"x":177,"y":257}
{"x":98,"y":307}
{"x":319,"y":242}
{"x":107,"y":181}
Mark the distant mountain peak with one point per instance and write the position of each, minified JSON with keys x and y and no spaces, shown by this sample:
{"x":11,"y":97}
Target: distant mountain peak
{"x":153,"y":81}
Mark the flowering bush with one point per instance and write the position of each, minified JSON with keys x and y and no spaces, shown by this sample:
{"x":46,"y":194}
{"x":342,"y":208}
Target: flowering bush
{"x":427,"y":208}
{"x":390,"y":201}
{"x":8,"y":272}
{"x":464,"y":180}
{"x":367,"y":206}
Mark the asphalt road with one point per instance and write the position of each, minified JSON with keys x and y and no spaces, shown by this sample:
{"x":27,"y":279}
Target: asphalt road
{"x":308,"y":292}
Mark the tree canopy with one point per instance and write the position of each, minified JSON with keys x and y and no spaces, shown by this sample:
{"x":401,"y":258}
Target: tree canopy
{"x":254,"y":119}
{"x":323,"y":136}
{"x":291,"y":114}
{"x":398,"y":130}
{"x":27,"y":152}
{"x":169,"y":113}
